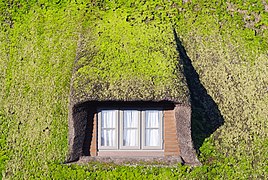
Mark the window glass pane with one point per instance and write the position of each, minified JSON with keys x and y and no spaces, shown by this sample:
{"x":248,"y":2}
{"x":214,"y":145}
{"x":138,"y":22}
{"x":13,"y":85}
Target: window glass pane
{"x":152,"y":137}
{"x":108,"y":137}
{"x":130,"y":137}
{"x":108,"y":128}
{"x":131,"y":119}
{"x":130,"y":128}
{"x":152,"y":119}
{"x":108,"y":119}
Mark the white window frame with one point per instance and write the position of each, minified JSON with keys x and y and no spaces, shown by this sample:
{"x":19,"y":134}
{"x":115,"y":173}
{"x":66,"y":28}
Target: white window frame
{"x":121,"y":146}
{"x":119,"y":130}
{"x":144,"y":130}
{"x":99,"y":119}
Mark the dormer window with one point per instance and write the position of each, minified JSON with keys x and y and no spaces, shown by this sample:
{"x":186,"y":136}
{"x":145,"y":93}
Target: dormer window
{"x":130,"y":129}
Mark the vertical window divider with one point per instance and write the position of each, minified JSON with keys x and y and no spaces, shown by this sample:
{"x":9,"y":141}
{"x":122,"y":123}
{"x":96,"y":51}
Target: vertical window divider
{"x":161,"y":129}
{"x":121,"y":129}
{"x":139,"y":129}
{"x":117,"y":128}
{"x":142,"y":129}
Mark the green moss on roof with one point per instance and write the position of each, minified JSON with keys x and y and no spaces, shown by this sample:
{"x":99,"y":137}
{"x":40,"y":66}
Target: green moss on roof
{"x":125,"y":60}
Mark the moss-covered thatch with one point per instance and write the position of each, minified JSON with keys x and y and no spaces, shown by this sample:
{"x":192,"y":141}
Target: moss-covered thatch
{"x":121,"y":60}
{"x":226,"y":41}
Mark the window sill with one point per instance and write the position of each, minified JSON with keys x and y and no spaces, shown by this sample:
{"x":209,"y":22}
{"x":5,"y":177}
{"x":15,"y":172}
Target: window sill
{"x":126,"y":160}
{"x":131,"y":153}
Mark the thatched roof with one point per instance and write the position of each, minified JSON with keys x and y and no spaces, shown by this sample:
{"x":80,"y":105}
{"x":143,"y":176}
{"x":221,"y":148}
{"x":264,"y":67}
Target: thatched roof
{"x":121,"y":61}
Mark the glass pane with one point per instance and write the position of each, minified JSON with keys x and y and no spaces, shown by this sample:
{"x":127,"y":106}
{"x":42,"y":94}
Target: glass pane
{"x":130,"y":137}
{"x":108,"y":119}
{"x":108,"y":137}
{"x":131,"y":119}
{"x":152,"y":137}
{"x":130,"y":128}
{"x":152,"y":119}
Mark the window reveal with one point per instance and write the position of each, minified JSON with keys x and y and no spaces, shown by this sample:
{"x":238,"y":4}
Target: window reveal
{"x":130,"y":129}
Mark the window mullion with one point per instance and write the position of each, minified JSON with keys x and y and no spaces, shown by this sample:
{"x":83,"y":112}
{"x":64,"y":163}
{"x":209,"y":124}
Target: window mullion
{"x":139,"y":130}
{"x":119,"y":132}
{"x":143,"y":129}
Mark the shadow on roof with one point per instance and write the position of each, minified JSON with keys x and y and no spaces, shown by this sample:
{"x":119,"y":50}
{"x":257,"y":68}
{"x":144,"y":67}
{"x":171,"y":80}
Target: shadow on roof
{"x":206,"y":117}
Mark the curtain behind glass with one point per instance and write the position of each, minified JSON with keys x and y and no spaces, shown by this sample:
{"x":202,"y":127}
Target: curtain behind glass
{"x":152,"y":128}
{"x":108,"y":128}
{"x":130,"y":128}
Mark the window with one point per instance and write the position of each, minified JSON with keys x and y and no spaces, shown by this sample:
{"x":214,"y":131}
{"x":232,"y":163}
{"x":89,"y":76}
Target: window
{"x":130,"y":129}
{"x":152,"y":129}
{"x":109,"y":129}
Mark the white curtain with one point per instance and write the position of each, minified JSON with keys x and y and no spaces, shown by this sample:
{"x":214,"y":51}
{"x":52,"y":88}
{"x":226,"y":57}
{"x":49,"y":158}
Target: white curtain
{"x":152,"y":128}
{"x":130,"y":128}
{"x":108,"y":128}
